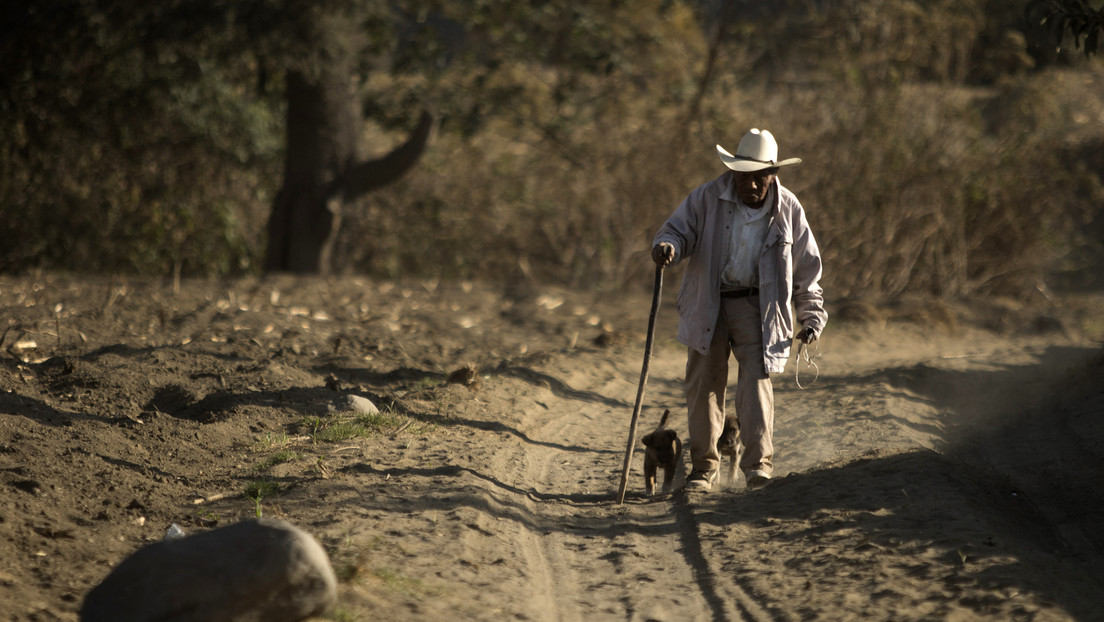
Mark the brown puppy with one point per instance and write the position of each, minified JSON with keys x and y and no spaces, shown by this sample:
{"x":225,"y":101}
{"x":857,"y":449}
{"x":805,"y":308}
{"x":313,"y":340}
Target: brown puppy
{"x":663,"y":450}
{"x":728,"y":445}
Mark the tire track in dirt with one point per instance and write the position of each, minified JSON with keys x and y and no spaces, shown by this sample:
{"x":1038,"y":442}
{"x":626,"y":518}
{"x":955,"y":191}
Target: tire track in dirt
{"x":597,"y":560}
{"x":727,"y":600}
{"x":704,"y":538}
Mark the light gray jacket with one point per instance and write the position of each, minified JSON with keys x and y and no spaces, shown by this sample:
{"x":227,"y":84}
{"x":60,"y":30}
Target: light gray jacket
{"x":789,"y":268}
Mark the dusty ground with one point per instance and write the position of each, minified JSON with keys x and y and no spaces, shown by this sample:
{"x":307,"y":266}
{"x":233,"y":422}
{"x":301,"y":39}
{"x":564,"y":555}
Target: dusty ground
{"x":945,"y":465}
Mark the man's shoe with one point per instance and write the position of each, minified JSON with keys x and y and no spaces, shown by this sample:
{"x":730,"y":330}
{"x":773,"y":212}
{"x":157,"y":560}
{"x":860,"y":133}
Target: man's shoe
{"x":757,"y":478}
{"x":702,"y":480}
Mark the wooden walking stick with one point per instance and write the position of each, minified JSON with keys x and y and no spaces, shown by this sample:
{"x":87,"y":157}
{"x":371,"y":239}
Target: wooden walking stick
{"x":643,"y":381}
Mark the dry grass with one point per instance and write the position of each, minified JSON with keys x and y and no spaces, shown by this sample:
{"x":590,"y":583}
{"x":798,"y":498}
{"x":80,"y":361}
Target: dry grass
{"x":925,"y":188}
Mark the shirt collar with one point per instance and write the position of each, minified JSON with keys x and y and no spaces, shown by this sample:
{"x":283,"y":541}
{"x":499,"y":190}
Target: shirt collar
{"x":753,"y":215}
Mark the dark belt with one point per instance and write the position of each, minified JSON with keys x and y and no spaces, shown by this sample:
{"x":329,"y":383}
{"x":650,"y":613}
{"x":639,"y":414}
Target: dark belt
{"x":740,"y":293}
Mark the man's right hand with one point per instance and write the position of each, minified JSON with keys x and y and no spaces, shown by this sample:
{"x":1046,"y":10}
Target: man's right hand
{"x":663,"y":254}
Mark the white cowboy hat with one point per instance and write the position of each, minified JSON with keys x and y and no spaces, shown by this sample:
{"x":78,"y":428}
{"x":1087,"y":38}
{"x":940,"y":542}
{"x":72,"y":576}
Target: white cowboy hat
{"x":757,"y":151}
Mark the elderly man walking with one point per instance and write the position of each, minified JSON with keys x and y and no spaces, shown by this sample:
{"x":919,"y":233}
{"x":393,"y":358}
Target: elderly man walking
{"x":751,"y":256}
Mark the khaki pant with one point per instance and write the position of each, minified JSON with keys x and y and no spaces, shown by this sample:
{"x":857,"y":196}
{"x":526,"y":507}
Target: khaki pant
{"x":739,"y":328}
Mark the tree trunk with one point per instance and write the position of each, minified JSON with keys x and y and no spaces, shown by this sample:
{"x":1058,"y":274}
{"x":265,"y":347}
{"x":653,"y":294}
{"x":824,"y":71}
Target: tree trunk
{"x":324,"y":168}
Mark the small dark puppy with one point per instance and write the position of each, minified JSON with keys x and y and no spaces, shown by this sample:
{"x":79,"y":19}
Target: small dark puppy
{"x":663,"y":450}
{"x":728,"y":445}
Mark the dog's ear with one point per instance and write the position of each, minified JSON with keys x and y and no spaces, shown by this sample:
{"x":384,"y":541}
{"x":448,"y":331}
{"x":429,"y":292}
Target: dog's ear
{"x":649,"y":440}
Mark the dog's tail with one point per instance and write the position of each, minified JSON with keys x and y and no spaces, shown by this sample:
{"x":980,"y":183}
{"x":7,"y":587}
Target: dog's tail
{"x":663,"y":419}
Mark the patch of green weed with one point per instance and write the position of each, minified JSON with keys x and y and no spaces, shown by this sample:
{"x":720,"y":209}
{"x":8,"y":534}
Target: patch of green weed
{"x":279,"y":457}
{"x":271,"y":441}
{"x":346,"y":572}
{"x":259,"y":490}
{"x":311,"y":425}
{"x":208,"y":517}
{"x":340,"y":614}
{"x":379,"y":422}
{"x":398,"y":582}
{"x":339,"y":431}
{"x":343,"y":426}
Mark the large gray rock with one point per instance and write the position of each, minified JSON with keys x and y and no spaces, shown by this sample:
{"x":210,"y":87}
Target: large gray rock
{"x":264,"y":569}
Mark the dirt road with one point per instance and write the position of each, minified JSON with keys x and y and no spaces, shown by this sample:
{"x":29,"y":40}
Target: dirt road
{"x":943,"y":465}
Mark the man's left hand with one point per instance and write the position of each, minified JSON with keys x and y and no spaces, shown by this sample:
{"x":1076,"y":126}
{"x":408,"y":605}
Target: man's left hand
{"x":807,"y":335}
